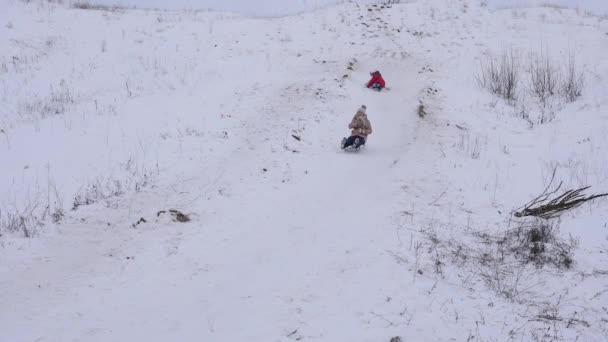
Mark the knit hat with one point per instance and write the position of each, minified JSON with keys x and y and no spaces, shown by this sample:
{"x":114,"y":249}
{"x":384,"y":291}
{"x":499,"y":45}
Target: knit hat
{"x":362,"y":109}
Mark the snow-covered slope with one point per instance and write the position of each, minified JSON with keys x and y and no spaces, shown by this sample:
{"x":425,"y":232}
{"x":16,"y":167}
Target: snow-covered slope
{"x":282,"y":8}
{"x":112,"y":118}
{"x":597,"y":7}
{"x":245,"y":7}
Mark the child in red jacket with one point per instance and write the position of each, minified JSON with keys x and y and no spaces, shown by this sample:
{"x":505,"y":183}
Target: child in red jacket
{"x":377,"y":82}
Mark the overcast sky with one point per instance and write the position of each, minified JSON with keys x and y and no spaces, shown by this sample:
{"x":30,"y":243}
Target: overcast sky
{"x":283,"y":7}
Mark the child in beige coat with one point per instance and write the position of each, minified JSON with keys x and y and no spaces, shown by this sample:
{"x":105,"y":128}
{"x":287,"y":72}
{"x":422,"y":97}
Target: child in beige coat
{"x":361,"y":128}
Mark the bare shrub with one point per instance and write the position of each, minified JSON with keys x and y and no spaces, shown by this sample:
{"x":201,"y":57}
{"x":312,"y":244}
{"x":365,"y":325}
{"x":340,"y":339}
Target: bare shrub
{"x":490,"y":75}
{"x":54,"y":208}
{"x":135,"y":178}
{"x":24,"y":221}
{"x":500,"y":75}
{"x":522,"y":110}
{"x":538,"y":241}
{"x":82,"y":5}
{"x":509,"y":71}
{"x":85,"y":5}
{"x":544,"y":77}
{"x":573,"y":80}
{"x":20,"y":62}
{"x":32,"y":213}
{"x":138,"y":177}
{"x":57,"y":215}
{"x":471,"y":147}
{"x":56,"y":103}
{"x":97,"y":191}
{"x":546,"y":115}
{"x":505,"y":261}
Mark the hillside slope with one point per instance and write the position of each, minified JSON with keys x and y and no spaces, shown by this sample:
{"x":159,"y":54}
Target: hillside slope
{"x":111,"y":118}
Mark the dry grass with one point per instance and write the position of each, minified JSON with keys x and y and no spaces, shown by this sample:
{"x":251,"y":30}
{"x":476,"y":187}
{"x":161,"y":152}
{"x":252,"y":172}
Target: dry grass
{"x":85,"y":5}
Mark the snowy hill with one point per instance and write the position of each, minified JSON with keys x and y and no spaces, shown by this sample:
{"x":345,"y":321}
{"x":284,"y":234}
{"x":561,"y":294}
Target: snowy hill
{"x":110,"y":118}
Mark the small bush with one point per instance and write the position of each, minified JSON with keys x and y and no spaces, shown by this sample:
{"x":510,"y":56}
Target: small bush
{"x":31,"y":214}
{"x":573,"y":80}
{"x":82,"y":5}
{"x":135,"y":178}
{"x":97,"y":191}
{"x":58,"y":102}
{"x":544,"y":77}
{"x":501,"y":259}
{"x":24,"y":221}
{"x":538,"y":241}
{"x":85,"y":5}
{"x":547,"y":82}
{"x":471,"y":147}
{"x":500,"y":75}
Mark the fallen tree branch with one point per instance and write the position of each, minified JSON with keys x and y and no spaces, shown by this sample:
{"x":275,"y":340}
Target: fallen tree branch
{"x":544,"y":208}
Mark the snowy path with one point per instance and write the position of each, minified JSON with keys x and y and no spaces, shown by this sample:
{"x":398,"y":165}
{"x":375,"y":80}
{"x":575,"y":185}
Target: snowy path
{"x":276,"y":254}
{"x":290,"y":248}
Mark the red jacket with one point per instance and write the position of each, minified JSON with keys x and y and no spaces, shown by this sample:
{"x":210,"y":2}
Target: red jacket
{"x":376,"y":78}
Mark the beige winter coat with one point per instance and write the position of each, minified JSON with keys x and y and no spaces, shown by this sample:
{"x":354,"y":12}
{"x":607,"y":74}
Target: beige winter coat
{"x":360,"y":125}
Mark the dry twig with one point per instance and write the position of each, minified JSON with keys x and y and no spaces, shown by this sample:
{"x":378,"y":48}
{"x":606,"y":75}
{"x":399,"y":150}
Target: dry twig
{"x":545,"y":208}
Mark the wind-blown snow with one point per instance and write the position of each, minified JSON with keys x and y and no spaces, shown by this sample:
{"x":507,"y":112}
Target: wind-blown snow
{"x":236,"y":121}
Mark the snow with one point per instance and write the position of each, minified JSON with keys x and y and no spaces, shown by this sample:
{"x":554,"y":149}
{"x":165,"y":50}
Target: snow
{"x":244,"y":7}
{"x":146,"y":111}
{"x":282,"y":7}
{"x":597,"y":7}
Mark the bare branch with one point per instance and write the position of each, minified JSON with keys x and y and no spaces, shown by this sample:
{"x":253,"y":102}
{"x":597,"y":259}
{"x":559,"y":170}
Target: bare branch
{"x":544,"y":208}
